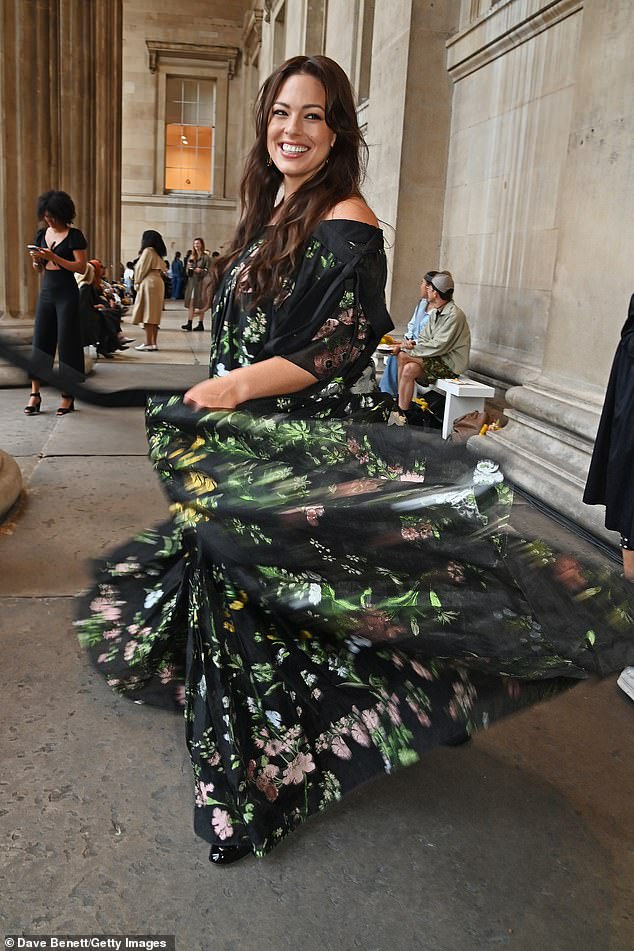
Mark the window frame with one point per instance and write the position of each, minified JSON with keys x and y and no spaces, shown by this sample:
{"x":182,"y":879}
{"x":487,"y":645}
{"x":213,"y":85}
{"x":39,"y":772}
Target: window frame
{"x":196,"y":62}
{"x":213,"y":127}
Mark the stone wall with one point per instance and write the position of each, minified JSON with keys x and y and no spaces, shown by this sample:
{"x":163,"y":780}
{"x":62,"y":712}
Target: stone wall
{"x":501,"y":142}
{"x":183,"y":45}
{"x":537,"y":223}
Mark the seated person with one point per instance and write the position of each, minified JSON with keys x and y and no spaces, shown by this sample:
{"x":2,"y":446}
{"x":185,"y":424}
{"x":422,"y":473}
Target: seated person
{"x":389,"y":379}
{"x":442,"y":348}
{"x":100,"y":314}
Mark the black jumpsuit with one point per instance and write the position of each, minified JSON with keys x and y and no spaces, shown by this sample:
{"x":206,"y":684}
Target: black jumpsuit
{"x":57,"y":313}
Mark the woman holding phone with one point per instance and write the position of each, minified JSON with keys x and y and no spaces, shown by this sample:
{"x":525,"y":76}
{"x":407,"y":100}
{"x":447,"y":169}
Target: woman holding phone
{"x":59,"y":251}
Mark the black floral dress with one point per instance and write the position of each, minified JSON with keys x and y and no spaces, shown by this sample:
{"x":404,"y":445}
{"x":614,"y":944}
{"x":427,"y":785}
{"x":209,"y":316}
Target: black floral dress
{"x":332,"y":597}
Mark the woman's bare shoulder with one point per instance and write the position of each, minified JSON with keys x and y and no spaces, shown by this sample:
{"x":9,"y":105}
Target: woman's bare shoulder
{"x":353,"y":209}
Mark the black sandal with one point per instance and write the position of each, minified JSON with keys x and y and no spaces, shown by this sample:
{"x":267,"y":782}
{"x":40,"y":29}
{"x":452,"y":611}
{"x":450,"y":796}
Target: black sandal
{"x":33,"y":410}
{"x":64,"y":410}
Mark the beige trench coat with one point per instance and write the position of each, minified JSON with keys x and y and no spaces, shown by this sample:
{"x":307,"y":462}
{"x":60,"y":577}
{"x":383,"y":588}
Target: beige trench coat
{"x":150,"y":288}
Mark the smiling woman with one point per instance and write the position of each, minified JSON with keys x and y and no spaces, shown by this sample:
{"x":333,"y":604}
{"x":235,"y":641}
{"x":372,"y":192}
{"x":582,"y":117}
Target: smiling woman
{"x":299,"y":139}
{"x":332,"y":597}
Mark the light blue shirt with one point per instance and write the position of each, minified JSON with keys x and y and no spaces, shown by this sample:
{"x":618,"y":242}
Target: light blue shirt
{"x":418,"y":320}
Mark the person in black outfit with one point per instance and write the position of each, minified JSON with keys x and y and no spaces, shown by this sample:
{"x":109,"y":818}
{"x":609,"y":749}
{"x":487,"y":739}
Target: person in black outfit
{"x":610,"y":480}
{"x":61,"y":252}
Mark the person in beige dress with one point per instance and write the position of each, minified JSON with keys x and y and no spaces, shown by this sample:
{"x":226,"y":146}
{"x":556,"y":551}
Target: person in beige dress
{"x":150,"y":287}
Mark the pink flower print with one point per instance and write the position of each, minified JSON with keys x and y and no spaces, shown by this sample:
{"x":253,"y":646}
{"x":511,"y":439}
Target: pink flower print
{"x":397,"y":660}
{"x":393,"y":711}
{"x":179,"y":695}
{"x":102,"y":658}
{"x":569,"y":572}
{"x":423,"y":719}
{"x":456,"y":571}
{"x":112,"y":633}
{"x":129,"y":649}
{"x":340,"y":748}
{"x":313,"y":514}
{"x":221,"y":823}
{"x":421,"y":531}
{"x":326,"y":329}
{"x":166,"y":674}
{"x":353,"y":446}
{"x":408,"y":533}
{"x":251,"y":769}
{"x":297,"y":769}
{"x":265,"y":782}
{"x":329,"y":360}
{"x":348,"y":316}
{"x":411,"y":477}
{"x":107,"y":609}
{"x":214,"y":759}
{"x":420,"y":670}
{"x":513,"y":688}
{"x":275,"y":747}
{"x":378,"y":627}
{"x":370,"y":718}
{"x":202,"y":791}
{"x":360,"y":734}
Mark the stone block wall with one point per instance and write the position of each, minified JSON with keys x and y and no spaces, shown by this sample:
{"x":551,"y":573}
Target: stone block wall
{"x":179,"y":217}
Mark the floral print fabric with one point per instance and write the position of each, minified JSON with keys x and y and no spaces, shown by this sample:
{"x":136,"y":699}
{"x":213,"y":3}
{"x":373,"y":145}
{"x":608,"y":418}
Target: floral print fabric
{"x":332,"y":597}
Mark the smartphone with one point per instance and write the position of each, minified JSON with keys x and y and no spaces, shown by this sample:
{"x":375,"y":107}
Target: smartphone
{"x":33,"y":247}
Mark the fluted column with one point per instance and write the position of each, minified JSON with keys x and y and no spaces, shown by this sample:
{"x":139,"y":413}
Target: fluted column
{"x":60,"y":95}
{"x":60,"y":99}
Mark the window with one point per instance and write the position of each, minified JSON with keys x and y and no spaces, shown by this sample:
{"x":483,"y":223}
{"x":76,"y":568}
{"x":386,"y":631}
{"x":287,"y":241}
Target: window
{"x":192,"y":98}
{"x":190,"y":120}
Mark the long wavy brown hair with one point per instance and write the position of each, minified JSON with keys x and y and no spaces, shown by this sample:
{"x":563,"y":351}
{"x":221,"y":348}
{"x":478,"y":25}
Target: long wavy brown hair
{"x":338,"y":179}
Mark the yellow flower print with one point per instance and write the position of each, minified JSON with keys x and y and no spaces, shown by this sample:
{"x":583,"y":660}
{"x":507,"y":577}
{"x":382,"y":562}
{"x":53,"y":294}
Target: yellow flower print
{"x":199,"y":483}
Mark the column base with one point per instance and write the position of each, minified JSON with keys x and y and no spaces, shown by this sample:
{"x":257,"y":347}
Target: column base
{"x":10,"y":483}
{"x":545,"y":449}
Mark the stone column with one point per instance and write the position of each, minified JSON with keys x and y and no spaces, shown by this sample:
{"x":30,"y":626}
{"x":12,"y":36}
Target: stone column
{"x":553,"y":419}
{"x":60,"y":95}
{"x":60,"y":98}
{"x":408,"y":136}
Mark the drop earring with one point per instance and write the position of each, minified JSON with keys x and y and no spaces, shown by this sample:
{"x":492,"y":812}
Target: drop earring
{"x":269,"y":161}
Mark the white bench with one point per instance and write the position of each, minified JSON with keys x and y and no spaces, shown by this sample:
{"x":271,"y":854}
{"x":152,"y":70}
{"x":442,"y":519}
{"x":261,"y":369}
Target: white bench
{"x":462,"y":396}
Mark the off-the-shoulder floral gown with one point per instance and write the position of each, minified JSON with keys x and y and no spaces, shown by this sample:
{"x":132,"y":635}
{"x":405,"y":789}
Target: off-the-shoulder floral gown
{"x":332,"y":596}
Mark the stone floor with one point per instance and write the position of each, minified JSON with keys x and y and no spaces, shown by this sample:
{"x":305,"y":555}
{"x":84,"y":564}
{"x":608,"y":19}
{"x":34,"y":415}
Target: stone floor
{"x":524,"y":839}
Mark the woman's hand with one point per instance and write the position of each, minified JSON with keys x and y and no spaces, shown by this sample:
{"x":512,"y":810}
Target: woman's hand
{"x":47,"y":255}
{"x":222,"y":392}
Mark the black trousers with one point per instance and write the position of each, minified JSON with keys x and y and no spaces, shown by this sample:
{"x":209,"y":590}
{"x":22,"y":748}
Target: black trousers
{"x":57,"y":326}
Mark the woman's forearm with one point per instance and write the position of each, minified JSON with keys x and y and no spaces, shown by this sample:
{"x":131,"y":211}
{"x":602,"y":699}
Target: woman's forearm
{"x":273,"y":377}
{"x":77,"y":266}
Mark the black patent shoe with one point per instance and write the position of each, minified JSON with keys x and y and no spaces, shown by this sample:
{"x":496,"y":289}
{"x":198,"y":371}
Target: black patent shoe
{"x":226,"y":854}
{"x":457,"y":740}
